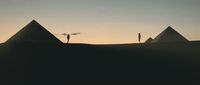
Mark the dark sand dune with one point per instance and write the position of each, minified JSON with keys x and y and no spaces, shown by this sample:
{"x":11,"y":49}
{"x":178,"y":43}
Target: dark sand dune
{"x":47,"y":64}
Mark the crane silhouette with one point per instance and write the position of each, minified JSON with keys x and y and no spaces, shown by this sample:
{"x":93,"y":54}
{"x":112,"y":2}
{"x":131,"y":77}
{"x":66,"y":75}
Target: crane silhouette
{"x":68,"y":35}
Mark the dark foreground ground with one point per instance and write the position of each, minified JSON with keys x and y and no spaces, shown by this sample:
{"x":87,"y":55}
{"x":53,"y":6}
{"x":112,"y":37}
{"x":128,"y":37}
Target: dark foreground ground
{"x":39,"y":64}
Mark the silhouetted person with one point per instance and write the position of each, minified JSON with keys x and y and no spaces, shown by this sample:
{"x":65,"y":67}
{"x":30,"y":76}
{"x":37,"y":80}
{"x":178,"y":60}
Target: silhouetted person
{"x":68,"y":37}
{"x":139,"y":37}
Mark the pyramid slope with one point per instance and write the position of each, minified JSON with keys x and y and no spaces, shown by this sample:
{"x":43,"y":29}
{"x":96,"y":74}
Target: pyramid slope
{"x":169,"y":35}
{"x":34,"y":33}
{"x":149,"y":40}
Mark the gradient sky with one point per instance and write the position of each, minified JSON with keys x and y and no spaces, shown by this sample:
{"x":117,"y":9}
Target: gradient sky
{"x":102,"y":21}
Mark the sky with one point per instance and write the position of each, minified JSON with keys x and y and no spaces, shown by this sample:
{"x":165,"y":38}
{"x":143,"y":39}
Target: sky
{"x":102,"y":21}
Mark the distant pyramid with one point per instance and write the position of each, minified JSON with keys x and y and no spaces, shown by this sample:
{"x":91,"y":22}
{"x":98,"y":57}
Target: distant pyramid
{"x":169,"y":35}
{"x":34,"y":33}
{"x":149,"y":40}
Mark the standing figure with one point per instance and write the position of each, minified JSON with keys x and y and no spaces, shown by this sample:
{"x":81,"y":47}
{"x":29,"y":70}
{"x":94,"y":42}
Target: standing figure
{"x":139,"y":37}
{"x":68,"y":37}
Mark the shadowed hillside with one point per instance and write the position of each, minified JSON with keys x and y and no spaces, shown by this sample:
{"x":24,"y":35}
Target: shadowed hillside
{"x":54,"y":64}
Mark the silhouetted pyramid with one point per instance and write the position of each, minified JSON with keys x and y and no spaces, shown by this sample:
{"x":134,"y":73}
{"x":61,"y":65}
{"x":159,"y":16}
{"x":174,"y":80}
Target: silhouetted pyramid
{"x":34,"y":33}
{"x":169,"y":35}
{"x":149,"y":40}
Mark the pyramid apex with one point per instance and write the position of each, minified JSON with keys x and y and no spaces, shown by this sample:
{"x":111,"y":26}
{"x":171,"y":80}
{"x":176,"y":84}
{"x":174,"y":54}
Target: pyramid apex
{"x":169,"y":27}
{"x":33,"y":24}
{"x":149,"y":40}
{"x":33,"y":21}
